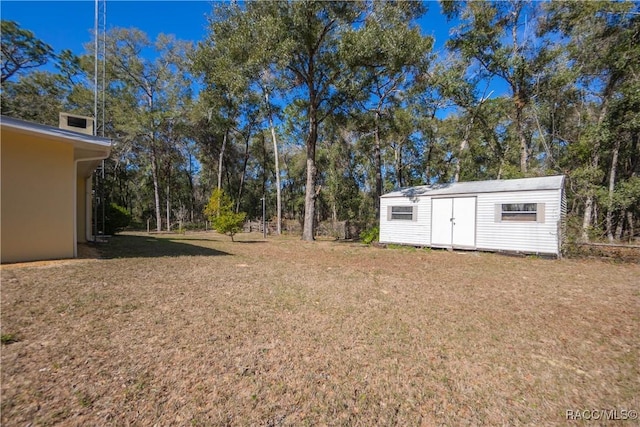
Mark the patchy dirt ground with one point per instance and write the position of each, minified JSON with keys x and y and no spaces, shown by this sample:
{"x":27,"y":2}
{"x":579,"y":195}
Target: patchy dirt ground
{"x":195,"y":330}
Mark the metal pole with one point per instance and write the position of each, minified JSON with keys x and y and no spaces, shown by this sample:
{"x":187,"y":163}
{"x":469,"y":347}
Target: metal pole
{"x":104,"y":62}
{"x":102,"y":198}
{"x":95,"y":71}
{"x":95,"y":116}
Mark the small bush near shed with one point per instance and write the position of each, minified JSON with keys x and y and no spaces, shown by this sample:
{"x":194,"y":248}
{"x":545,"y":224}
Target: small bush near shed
{"x":370,"y":235}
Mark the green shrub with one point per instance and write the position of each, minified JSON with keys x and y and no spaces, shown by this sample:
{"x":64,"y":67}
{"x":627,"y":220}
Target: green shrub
{"x":229,"y":223}
{"x":117,"y":219}
{"x":370,"y":235}
{"x":219,"y":210}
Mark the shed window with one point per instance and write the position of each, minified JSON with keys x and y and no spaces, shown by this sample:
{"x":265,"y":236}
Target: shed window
{"x":531,"y":212}
{"x":402,"y":213}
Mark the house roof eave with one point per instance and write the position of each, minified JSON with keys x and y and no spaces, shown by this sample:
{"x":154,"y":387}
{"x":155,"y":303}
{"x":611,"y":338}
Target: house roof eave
{"x":78,"y":140}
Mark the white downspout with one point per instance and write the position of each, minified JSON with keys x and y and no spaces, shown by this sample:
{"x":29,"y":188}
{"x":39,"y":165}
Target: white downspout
{"x":88,"y":232}
{"x":75,"y":200}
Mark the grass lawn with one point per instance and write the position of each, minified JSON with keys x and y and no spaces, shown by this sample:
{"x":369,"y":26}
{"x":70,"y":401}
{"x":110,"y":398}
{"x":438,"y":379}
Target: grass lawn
{"x":196,"y":330}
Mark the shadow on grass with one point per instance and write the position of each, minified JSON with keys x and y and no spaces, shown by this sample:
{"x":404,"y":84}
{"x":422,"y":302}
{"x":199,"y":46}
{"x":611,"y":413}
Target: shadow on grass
{"x":228,"y":240}
{"x":188,"y":239}
{"x":219,"y":238}
{"x":123,"y":246}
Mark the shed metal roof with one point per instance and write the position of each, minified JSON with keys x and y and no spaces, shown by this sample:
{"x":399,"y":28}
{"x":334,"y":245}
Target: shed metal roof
{"x":492,"y":186}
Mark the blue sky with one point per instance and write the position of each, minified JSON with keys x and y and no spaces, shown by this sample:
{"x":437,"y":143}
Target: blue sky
{"x":69,"y":24}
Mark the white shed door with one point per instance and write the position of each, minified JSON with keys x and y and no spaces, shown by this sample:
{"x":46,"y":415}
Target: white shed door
{"x":464,"y":222}
{"x":453,"y":222}
{"x":441,"y":224}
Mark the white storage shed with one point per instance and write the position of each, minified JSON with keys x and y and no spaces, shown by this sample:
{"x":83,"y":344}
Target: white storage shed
{"x":515,"y":215}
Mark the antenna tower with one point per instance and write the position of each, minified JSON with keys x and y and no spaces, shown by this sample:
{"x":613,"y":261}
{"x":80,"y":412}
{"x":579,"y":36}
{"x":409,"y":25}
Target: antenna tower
{"x":99,"y":89}
{"x":99,"y":70}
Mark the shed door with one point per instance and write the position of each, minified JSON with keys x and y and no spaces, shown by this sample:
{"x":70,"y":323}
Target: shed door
{"x":453,"y":222}
{"x":464,"y":222}
{"x":441,"y":224}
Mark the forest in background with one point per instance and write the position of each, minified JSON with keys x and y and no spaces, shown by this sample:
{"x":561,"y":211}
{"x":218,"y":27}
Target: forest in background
{"x":321,"y":107}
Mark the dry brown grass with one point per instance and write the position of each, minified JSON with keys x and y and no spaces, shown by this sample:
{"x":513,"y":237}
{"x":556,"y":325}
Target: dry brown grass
{"x":196,"y":330}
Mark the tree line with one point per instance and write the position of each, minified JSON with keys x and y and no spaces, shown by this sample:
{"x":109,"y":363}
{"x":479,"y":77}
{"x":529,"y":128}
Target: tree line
{"x":321,"y":107}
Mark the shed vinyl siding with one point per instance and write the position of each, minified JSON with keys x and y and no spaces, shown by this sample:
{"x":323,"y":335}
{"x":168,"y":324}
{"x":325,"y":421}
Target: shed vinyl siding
{"x":414,"y":232}
{"x":540,"y":236}
{"x":519,"y":236}
{"x":562,"y":222}
{"x":539,"y":233}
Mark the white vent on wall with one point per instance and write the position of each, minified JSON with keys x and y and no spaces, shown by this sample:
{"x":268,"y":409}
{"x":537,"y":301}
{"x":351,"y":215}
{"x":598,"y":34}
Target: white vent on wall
{"x":76,"y":123}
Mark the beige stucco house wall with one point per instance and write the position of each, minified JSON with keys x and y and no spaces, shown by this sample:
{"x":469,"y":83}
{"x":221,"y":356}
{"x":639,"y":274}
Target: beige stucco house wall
{"x":45,"y":202}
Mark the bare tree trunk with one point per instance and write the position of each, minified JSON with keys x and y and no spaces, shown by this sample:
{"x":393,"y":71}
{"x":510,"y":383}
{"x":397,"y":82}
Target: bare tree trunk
{"x":398,"y":164}
{"x":620,"y":225}
{"x":192,"y":194}
{"x":427,"y":165}
{"x":612,"y":186}
{"x":277,"y":165}
{"x":310,"y":192}
{"x":589,"y":209}
{"x":502,"y":161}
{"x":156,"y":189}
{"x":519,"y":96}
{"x":334,"y":211}
{"x":227,"y":175}
{"x":630,"y":230}
{"x":464,"y":144}
{"x":586,"y":218}
{"x":244,"y":171}
{"x":168,"y":209}
{"x":220,"y":159}
{"x":377,"y":155}
{"x":549,"y":160}
{"x":524,"y":148}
